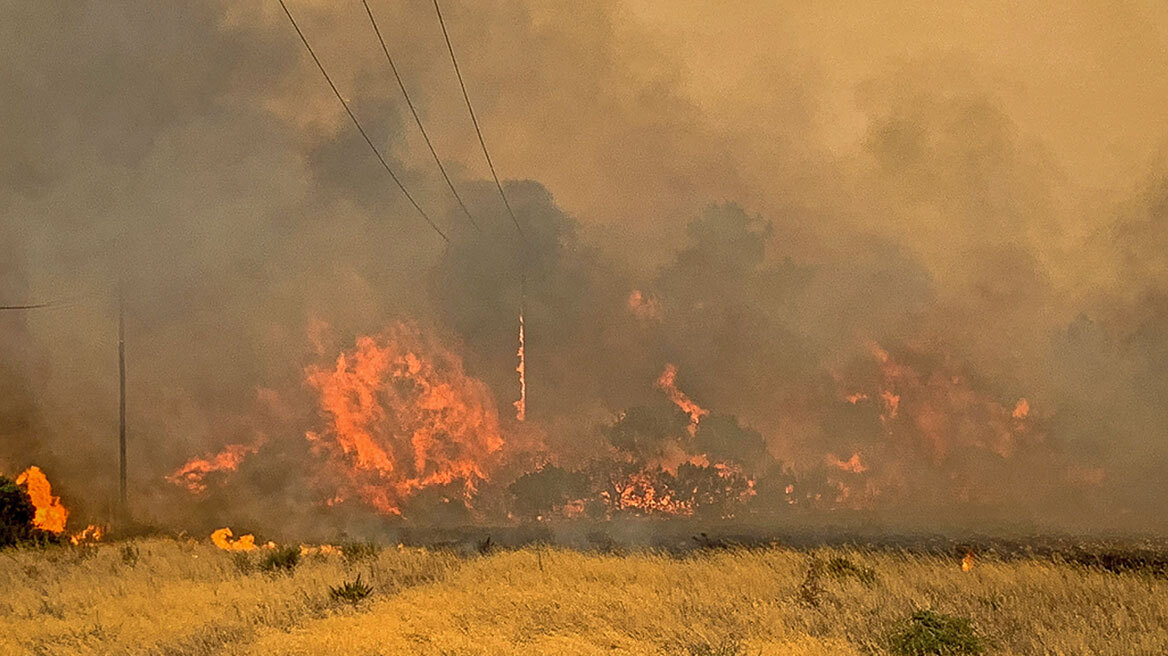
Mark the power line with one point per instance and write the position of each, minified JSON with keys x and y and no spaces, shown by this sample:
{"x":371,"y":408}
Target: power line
{"x":357,"y":124}
{"x":474,"y":119}
{"x":47,"y":305}
{"x":521,"y":404}
{"x":417,"y":119}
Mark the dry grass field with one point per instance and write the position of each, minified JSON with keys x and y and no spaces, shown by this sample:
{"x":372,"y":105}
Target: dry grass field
{"x":163,"y":596}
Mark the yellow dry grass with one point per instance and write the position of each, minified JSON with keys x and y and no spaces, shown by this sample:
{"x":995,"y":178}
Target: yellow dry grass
{"x":186,"y":598}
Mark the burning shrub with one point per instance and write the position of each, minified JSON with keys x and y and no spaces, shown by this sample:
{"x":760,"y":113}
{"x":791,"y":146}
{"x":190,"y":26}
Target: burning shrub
{"x":17,"y":514}
{"x":928,"y":632}
{"x":547,"y":490}
{"x":281,"y":559}
{"x":723,"y":438}
{"x":642,"y":431}
{"x":403,"y":420}
{"x":351,"y":592}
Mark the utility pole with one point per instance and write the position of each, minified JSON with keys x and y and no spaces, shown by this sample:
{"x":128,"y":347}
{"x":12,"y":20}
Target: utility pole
{"x":123,"y":508}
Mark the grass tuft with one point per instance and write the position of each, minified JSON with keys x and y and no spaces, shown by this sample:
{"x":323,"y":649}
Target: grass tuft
{"x":929,"y":633}
{"x":728,"y":647}
{"x":356,"y":552}
{"x":351,"y":592}
{"x":130,"y":554}
{"x":281,"y":560}
{"x":842,"y":568}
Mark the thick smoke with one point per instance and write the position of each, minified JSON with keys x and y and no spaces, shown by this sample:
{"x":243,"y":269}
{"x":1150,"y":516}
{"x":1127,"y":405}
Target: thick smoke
{"x":962,"y":221}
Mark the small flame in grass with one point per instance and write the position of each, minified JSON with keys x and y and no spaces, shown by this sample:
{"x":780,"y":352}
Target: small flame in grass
{"x":321,"y":550}
{"x":1021,"y":409}
{"x":967,"y":561}
{"x":667,"y":382}
{"x":51,"y":514}
{"x":521,"y":368}
{"x":222,"y":539}
{"x":91,"y":534}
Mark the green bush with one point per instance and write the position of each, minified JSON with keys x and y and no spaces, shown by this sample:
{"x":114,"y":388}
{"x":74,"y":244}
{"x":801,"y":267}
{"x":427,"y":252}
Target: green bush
{"x":16,"y":513}
{"x":281,"y":559}
{"x":842,"y":568}
{"x":351,"y":592}
{"x":929,"y":633}
{"x":16,"y":517}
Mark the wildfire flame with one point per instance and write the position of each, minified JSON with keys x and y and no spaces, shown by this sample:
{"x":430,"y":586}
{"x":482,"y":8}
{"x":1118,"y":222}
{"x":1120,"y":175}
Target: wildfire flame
{"x":853,"y":464}
{"x":643,"y":307}
{"x":193,"y":474}
{"x":667,"y":382}
{"x":321,"y":550}
{"x":401,"y":416}
{"x":222,"y":539}
{"x":967,"y":561}
{"x":92,"y":533}
{"x":51,"y":514}
{"x":521,"y":368}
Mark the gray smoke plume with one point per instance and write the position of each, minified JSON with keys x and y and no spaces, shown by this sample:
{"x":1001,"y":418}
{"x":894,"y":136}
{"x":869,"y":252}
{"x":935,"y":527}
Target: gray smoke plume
{"x":981,"y":204}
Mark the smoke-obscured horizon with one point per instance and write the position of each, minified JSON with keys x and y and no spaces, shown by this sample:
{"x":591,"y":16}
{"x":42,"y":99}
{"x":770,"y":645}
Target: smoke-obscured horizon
{"x":910,"y":262}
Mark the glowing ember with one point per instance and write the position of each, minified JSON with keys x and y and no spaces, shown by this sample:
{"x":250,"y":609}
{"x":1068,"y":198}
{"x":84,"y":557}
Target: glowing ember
{"x":222,"y":539}
{"x":967,"y":561}
{"x":50,"y":513}
{"x":853,"y":464}
{"x":521,"y":368}
{"x":667,"y":382}
{"x":402,"y":416}
{"x":193,"y":474}
{"x":643,"y":306}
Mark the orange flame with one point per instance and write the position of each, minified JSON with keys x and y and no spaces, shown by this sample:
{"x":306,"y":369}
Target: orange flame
{"x":320,"y":550}
{"x":193,"y":474}
{"x":50,"y":513}
{"x":667,"y":382}
{"x":92,"y":533}
{"x":1021,"y":409}
{"x":402,"y":416}
{"x":644,"y":307}
{"x":853,"y":464}
{"x":967,"y":561}
{"x":521,"y":368}
{"x":222,"y":539}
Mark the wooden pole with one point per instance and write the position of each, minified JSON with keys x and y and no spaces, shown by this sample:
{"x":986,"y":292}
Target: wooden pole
{"x":123,"y":507}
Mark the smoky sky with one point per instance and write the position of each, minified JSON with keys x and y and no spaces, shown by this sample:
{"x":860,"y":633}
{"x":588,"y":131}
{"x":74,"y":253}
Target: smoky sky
{"x":788,"y":184}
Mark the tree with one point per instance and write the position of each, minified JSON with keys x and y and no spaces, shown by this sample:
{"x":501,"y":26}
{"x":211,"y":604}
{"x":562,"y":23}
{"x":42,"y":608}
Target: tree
{"x":16,"y":514}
